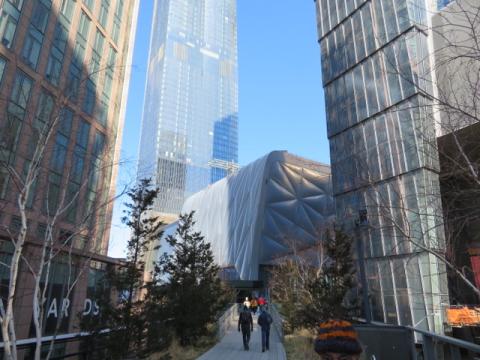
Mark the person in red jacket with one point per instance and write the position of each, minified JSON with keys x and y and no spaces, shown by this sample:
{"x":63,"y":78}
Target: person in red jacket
{"x":261,"y":302}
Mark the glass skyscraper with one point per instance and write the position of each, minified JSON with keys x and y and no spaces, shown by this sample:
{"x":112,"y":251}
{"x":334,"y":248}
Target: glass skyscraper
{"x":376,"y":70}
{"x":190,"y":122}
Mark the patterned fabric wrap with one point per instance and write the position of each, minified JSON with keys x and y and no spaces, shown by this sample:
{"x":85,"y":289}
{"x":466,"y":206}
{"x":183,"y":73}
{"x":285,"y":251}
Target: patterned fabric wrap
{"x":337,"y":336}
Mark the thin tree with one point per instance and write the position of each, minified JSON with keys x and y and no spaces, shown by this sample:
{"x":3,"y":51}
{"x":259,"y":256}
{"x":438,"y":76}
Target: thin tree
{"x":124,"y":317}
{"x":193,"y":288}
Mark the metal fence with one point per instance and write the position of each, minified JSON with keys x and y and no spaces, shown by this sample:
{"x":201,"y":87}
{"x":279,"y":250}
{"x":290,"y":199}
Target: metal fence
{"x":277,"y":321}
{"x":382,"y":341}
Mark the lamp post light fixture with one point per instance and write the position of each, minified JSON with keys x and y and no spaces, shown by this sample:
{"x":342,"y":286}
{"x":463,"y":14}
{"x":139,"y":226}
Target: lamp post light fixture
{"x":360,"y":224}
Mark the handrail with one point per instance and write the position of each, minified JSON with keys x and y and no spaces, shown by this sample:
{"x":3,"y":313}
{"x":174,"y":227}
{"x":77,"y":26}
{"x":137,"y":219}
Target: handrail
{"x":430,"y":341}
{"x":226,"y":320}
{"x":277,"y":321}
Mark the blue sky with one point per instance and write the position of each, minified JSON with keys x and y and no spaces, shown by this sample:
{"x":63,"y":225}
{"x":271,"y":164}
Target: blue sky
{"x":281,"y":105}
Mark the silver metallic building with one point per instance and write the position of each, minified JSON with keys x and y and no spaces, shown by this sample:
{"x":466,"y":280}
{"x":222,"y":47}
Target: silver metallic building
{"x":190,"y":123}
{"x":376,"y":68}
{"x":262,"y":212}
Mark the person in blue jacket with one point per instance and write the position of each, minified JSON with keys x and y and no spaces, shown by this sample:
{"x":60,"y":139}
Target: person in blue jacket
{"x":264,"y":321}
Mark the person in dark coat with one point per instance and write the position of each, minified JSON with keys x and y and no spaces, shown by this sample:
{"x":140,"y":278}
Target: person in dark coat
{"x":264,"y":321}
{"x":245,"y":323}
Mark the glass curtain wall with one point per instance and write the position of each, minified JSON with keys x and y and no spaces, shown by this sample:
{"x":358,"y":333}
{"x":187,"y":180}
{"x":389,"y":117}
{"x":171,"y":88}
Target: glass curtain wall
{"x":190,"y":122}
{"x":376,"y":70}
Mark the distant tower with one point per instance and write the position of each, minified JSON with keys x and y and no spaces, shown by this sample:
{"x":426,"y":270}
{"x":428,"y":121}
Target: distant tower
{"x":190,"y":119}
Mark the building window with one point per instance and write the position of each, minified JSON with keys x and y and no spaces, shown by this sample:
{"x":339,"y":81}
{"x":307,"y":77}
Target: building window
{"x":116,"y":30}
{"x":44,"y":111}
{"x":33,"y":188}
{"x":99,"y":144}
{"x":83,"y":134}
{"x":90,"y":97}
{"x":112,"y":57}
{"x":84,"y":26}
{"x":55,"y":61}
{"x":33,"y":41}
{"x":9,"y":136}
{"x":73,"y":190}
{"x":67,"y":9}
{"x":89,"y":204}
{"x":4,"y":177}
{"x":95,"y":166}
{"x":59,"y":153}
{"x":21,"y":91}
{"x":119,"y":9}
{"x":103,"y":17}
{"x":102,"y":110}
{"x":8,"y":21}
{"x":89,"y":4}
{"x":3,"y":64}
{"x":58,"y":305}
{"x":60,"y":37}
{"x":94,"y":67}
{"x":65,"y":121}
{"x":78,"y":164}
{"x":32,"y":47}
{"x":53,"y":193}
{"x":99,"y":41}
{"x":40,"y":15}
{"x":73,"y":83}
{"x":54,"y":69}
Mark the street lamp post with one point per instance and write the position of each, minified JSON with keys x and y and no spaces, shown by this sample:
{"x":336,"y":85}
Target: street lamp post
{"x":361,"y":223}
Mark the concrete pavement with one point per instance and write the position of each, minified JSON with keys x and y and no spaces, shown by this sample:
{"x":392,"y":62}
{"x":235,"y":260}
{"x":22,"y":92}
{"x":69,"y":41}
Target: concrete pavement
{"x":231,"y":346}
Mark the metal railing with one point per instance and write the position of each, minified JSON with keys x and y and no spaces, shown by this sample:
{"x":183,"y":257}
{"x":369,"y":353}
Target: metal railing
{"x":227,"y":320}
{"x":277,"y":321}
{"x":406,"y":342}
{"x":435,"y":346}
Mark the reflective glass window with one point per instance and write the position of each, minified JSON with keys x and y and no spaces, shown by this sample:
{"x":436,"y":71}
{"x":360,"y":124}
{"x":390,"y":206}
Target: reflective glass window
{"x":84,"y":26}
{"x":370,"y":87}
{"x":3,"y":64}
{"x":83,"y":134}
{"x":67,"y":9}
{"x":32,"y":47}
{"x":21,"y":90}
{"x":368,"y":29}
{"x":388,"y":292}
{"x":359,"y":93}
{"x":359,"y":39}
{"x":380,"y":32}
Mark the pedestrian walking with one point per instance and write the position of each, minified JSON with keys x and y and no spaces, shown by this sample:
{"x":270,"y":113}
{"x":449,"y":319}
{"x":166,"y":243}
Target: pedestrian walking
{"x":261,"y":302}
{"x":265,"y":320}
{"x":253,"y":306}
{"x":246,"y":303}
{"x":245,"y":324}
{"x":337,"y":340}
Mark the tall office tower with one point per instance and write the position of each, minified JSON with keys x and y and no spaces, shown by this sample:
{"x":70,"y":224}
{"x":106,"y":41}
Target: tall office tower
{"x":376,"y":72}
{"x":64,"y":70}
{"x":189,"y":133}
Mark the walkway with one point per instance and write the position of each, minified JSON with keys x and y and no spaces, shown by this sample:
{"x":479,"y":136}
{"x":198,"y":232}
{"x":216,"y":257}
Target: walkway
{"x":231,"y":346}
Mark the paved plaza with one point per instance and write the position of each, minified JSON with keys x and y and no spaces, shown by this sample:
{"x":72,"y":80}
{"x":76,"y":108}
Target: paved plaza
{"x":231,"y":346}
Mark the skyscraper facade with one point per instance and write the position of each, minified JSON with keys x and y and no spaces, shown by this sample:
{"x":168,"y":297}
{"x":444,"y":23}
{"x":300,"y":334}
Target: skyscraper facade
{"x":190,"y":121}
{"x":376,"y":72}
{"x":64,"y":70}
